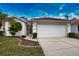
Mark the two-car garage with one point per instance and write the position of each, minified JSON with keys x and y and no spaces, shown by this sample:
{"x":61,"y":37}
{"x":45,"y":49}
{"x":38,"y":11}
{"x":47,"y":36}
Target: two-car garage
{"x":45,"y":30}
{"x":51,"y":27}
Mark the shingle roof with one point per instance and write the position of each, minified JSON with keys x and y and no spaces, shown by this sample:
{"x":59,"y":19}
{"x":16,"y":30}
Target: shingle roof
{"x":47,"y":19}
{"x":23,"y":20}
{"x":75,"y":22}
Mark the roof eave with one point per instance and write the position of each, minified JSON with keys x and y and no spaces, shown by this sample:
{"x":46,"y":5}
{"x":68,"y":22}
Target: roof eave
{"x":51,"y":20}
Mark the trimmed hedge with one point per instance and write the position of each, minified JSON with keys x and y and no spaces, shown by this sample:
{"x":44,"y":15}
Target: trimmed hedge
{"x":34,"y":35}
{"x":72,"y":35}
{"x":23,"y":36}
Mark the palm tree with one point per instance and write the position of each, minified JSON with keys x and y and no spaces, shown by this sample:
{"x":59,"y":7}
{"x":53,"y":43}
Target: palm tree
{"x":11,"y":19}
{"x":3,"y":18}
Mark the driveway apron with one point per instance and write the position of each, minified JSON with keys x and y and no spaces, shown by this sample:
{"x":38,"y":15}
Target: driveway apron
{"x":59,"y":46}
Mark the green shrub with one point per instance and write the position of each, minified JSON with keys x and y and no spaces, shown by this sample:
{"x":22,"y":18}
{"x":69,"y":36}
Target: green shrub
{"x":15,"y":27}
{"x":0,"y":24}
{"x":34,"y":35}
{"x":72,"y":35}
{"x":23,"y":36}
{"x":1,"y":33}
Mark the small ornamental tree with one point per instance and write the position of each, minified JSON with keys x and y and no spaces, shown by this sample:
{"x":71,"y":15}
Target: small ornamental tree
{"x":15,"y":27}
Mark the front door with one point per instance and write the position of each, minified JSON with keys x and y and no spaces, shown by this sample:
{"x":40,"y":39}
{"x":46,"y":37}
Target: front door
{"x":29,"y":30}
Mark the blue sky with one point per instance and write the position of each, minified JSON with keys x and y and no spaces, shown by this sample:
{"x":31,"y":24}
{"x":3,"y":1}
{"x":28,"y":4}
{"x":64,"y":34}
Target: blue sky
{"x":34,"y":10}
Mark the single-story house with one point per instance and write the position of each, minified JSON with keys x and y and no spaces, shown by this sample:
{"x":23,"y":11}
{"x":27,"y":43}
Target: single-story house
{"x":44,"y":27}
{"x":54,"y":27}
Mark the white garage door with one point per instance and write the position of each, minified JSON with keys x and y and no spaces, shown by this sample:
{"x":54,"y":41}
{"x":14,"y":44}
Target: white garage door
{"x":52,"y":30}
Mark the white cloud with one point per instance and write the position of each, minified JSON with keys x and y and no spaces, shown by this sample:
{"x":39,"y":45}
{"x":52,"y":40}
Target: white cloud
{"x":61,"y":17}
{"x":49,"y":15}
{"x":73,"y":15}
{"x":52,"y":16}
{"x":61,"y":7}
{"x":62,"y":14}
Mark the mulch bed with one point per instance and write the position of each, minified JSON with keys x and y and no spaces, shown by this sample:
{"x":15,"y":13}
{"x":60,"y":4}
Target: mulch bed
{"x":26,"y":42}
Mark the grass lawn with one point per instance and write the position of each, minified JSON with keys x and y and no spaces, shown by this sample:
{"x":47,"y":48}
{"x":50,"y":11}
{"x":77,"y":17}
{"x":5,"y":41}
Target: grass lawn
{"x":10,"y":47}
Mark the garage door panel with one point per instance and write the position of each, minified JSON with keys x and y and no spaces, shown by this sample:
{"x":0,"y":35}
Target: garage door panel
{"x":51,"y":30}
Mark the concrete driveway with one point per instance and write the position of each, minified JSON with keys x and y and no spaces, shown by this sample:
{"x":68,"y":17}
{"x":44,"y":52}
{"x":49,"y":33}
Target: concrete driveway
{"x":59,"y":46}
